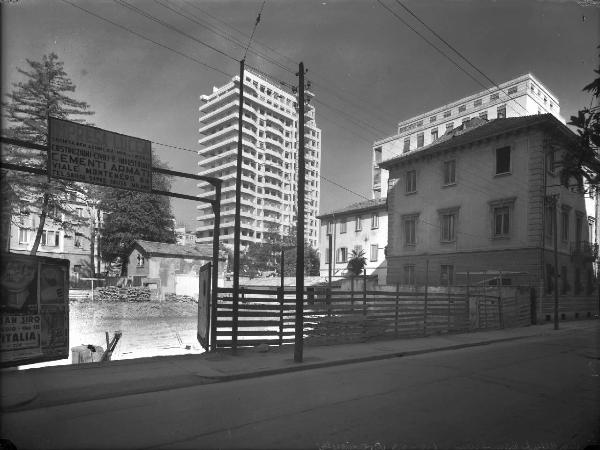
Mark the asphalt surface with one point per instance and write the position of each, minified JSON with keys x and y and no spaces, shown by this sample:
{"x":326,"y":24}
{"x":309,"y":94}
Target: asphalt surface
{"x":538,"y":391}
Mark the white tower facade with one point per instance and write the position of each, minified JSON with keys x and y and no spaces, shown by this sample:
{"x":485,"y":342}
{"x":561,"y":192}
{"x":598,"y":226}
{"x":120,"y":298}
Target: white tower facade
{"x":269,"y":168}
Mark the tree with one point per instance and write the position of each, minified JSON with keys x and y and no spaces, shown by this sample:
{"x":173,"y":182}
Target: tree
{"x":132,"y":215}
{"x":357,"y":262}
{"x":265,"y":256}
{"x":44,"y":93}
{"x":583,"y":162}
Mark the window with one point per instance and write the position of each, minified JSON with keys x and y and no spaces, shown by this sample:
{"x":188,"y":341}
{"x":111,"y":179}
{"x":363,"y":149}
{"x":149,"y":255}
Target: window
{"x":495,"y":96}
{"x":409,"y":274}
{"x":462,"y":108}
{"x":449,"y":126}
{"x":449,"y":172}
{"x":502,"y":160}
{"x":342,"y":255}
{"x":446,"y":274}
{"x":374,"y":220}
{"x":483,"y":115}
{"x":432,"y":119}
{"x":512,"y":90}
{"x":501,"y":221}
{"x":448,"y":227}
{"x":342,"y":226}
{"x":564,"y":226}
{"x":411,"y":181}
{"x":434,"y":134}
{"x":549,"y":220}
{"x":465,"y":120}
{"x":140,"y":261}
{"x":501,"y":112}
{"x":578,"y":287}
{"x":378,"y":155}
{"x":550,"y":160}
{"x":420,"y":140}
{"x":79,"y":212}
{"x":410,"y":230}
{"x":406,"y":145}
{"x":374,"y":252}
{"x":330,"y":227}
{"x":50,"y":238}
{"x":447,"y":113}
{"x":477,"y":102}
{"x":358,"y":223}
{"x":564,"y":288}
{"x":23,"y":235}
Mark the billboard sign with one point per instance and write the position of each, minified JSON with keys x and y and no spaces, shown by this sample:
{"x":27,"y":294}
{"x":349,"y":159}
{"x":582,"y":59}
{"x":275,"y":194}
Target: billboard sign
{"x":91,"y":155}
{"x":204,"y":305}
{"x":34,"y":307}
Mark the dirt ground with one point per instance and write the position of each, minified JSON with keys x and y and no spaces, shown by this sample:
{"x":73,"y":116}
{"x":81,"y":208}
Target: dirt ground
{"x":148,"y":328}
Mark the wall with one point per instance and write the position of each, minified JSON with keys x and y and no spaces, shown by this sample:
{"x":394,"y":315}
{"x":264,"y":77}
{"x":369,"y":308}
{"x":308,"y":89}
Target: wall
{"x":366,"y":237}
{"x":475,"y":247}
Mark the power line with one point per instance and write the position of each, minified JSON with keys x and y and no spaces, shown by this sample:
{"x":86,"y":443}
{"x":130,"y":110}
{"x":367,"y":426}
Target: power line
{"x":147,"y":39}
{"x":254,"y":29}
{"x":456,"y":51}
{"x":170,"y":27}
{"x":440,"y":51}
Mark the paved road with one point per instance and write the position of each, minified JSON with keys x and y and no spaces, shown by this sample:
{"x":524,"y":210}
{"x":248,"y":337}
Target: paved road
{"x":538,"y":393}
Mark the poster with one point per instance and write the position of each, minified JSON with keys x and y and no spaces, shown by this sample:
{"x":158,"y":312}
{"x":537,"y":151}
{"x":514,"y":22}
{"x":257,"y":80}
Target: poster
{"x":34,"y":299}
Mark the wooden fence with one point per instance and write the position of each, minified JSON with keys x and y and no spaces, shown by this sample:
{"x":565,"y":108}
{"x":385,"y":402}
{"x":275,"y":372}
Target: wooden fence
{"x":268,"y":316}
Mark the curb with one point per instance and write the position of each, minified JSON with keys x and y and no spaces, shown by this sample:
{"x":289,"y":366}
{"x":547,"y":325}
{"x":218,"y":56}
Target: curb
{"x":203,"y":379}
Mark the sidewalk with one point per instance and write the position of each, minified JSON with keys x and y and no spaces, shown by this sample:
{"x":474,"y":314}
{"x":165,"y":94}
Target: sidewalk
{"x":58,"y":385}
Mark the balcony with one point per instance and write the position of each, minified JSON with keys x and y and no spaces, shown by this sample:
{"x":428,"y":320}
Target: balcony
{"x":584,"y":251}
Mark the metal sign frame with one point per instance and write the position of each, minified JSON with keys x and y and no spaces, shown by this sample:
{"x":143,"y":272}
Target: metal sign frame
{"x":214,"y":202}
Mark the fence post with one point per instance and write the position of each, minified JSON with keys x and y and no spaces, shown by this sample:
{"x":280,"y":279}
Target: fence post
{"x":328,"y":301}
{"x":352,"y":291}
{"x":425,"y":303}
{"x":281,"y":295}
{"x":448,"y":325}
{"x":500,"y":312}
{"x":397,"y":301}
{"x":365,"y":293}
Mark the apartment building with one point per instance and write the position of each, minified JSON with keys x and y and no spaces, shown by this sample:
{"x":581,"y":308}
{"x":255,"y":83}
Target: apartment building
{"x":57,"y":241}
{"x":269,"y":168}
{"x":481,"y":199}
{"x":360,"y":226}
{"x":522,"y":96}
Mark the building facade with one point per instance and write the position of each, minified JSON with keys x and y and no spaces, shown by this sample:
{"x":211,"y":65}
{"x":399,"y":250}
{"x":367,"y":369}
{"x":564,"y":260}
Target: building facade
{"x":481,"y":199}
{"x":269,"y":168}
{"x":519,"y":97}
{"x":73,"y":243}
{"x":361,"y":226}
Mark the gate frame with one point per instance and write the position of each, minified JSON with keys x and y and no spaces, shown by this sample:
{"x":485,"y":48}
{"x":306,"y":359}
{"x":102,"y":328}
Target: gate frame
{"x":215,"y":204}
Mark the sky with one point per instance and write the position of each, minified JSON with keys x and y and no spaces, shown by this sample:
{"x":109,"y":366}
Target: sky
{"x":142,"y":65}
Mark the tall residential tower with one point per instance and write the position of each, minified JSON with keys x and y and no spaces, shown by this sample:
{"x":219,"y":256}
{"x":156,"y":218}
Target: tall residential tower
{"x":269,"y":169}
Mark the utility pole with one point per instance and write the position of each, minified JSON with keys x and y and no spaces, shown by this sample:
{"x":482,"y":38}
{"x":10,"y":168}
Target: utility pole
{"x":330,"y":256}
{"x":554,"y":202}
{"x":299,"y":331}
{"x":236,"y":229}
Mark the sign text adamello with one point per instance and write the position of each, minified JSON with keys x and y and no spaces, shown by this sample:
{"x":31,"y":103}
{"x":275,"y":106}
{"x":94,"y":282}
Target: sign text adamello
{"x":92,"y":155}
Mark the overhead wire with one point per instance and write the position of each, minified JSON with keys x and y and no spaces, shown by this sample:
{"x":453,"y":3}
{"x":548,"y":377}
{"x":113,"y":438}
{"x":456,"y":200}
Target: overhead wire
{"x":440,"y":51}
{"x":141,"y":36}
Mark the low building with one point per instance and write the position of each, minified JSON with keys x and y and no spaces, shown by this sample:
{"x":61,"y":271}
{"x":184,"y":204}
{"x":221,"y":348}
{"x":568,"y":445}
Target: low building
{"x":481,"y":198}
{"x":169,"y":268}
{"x":360,"y":226}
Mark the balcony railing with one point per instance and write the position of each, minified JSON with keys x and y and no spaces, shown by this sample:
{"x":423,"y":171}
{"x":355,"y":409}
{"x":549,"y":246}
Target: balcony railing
{"x":587,"y":251}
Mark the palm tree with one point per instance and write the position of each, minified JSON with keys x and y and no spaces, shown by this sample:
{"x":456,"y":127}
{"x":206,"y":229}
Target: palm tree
{"x":357,"y":262}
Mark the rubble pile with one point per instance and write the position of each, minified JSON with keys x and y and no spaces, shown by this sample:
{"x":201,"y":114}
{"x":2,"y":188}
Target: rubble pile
{"x":180,"y":298}
{"x":125,"y":294}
